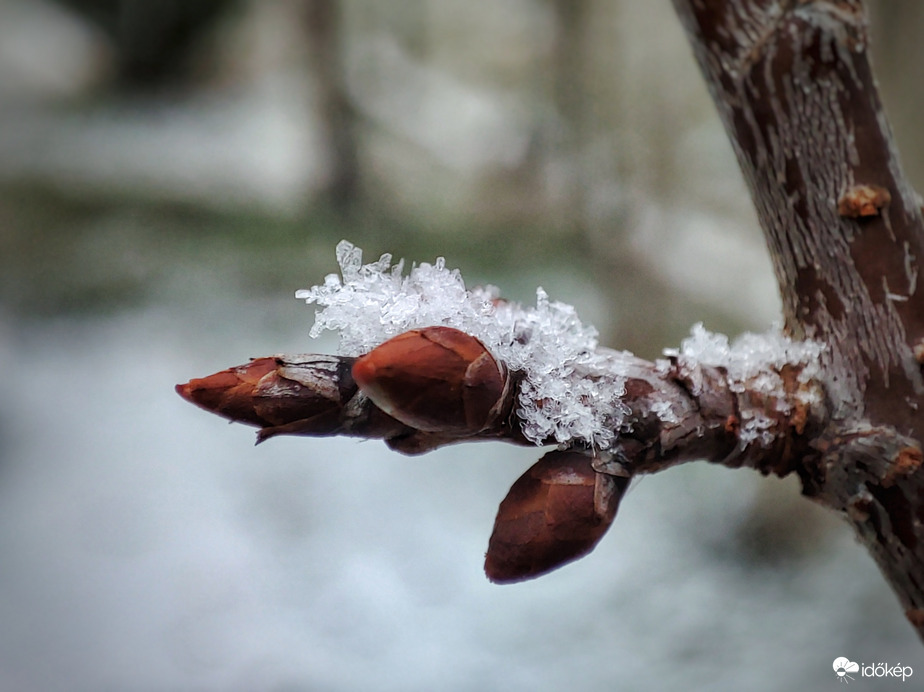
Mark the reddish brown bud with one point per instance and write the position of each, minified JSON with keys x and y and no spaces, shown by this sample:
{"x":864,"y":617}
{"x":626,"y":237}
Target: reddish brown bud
{"x":298,"y":395}
{"x":436,"y":379}
{"x":556,"y":512}
{"x":230,"y":393}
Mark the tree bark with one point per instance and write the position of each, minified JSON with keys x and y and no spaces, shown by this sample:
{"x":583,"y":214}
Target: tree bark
{"x":794,"y":88}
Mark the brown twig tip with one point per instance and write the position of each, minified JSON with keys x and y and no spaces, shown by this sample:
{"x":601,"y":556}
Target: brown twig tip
{"x":553,"y":514}
{"x":863,"y":200}
{"x":230,"y":393}
{"x":299,"y":395}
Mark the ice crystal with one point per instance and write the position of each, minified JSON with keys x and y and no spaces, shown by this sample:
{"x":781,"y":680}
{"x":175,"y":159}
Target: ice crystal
{"x":664,"y":412}
{"x":568,"y":392}
{"x":752,"y":362}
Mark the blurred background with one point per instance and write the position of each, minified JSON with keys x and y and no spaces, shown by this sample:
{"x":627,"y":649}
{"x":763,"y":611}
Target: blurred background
{"x":171,"y":172}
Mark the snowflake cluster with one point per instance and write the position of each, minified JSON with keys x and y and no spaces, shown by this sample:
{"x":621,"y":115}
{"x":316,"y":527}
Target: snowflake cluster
{"x":752,"y":361}
{"x":568,"y":392}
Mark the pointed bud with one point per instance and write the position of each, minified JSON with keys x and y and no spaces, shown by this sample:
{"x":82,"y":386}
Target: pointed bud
{"x":556,"y":512}
{"x":301,"y":395}
{"x":230,"y":393}
{"x":436,"y":379}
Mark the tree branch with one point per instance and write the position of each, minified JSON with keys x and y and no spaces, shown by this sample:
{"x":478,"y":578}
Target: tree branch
{"x":429,"y":363}
{"x":679,"y":412}
{"x":795,"y":90}
{"x":794,"y":87}
{"x":435,"y":386}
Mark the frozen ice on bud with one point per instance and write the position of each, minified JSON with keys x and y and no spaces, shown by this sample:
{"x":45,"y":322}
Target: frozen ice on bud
{"x":350,"y":258}
{"x":553,"y":514}
{"x":371,"y":303}
{"x":569,"y":391}
{"x":664,"y":412}
{"x":434,"y":379}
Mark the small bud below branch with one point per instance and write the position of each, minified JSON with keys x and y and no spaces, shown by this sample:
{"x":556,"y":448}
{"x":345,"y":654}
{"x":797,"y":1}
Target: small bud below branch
{"x":436,"y":379}
{"x":553,"y":514}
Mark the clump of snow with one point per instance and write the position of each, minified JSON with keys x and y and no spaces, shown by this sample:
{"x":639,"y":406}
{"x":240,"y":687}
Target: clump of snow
{"x":752,"y":362}
{"x":569,"y":392}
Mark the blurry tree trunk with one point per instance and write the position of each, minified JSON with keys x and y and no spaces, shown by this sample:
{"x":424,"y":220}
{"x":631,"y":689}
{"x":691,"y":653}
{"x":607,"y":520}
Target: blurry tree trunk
{"x":795,"y":91}
{"x":899,"y":63}
{"x":569,"y":94}
{"x":323,"y":22}
{"x":645,"y":316}
{"x":154,"y":40}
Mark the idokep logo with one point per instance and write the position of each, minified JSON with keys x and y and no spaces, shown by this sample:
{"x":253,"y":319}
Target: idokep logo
{"x":843,"y":667}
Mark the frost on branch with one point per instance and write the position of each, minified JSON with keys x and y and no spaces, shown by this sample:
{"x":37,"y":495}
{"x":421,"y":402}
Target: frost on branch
{"x":569,"y":392}
{"x":753,"y":364}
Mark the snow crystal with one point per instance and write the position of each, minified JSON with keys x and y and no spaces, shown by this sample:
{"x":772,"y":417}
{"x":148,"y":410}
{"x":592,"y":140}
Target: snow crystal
{"x":752,"y":362}
{"x":664,"y":412}
{"x":568,"y":392}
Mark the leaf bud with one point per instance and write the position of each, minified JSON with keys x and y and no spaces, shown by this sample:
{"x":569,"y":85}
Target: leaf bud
{"x":553,"y":514}
{"x":436,"y":379}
